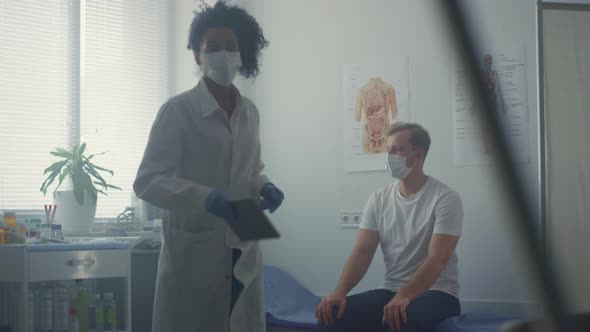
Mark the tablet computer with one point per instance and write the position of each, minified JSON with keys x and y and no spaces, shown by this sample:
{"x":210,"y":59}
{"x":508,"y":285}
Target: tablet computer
{"x":251,"y":223}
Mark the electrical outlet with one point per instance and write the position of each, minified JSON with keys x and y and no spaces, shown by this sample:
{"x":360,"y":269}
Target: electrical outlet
{"x":356,"y":218}
{"x":350,"y":219}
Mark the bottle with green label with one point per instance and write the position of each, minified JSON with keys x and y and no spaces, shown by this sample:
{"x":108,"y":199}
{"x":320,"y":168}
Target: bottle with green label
{"x":80,"y":303}
{"x":110,"y":313}
{"x":99,"y":313}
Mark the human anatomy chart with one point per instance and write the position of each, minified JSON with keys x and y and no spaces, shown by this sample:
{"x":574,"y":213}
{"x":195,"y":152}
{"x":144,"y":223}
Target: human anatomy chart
{"x":375,"y":96}
{"x":505,"y":81}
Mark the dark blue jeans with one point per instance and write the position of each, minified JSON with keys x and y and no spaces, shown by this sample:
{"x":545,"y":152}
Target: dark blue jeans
{"x":364,"y":312}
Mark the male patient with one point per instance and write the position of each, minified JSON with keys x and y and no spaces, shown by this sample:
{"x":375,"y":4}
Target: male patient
{"x":417,"y":220}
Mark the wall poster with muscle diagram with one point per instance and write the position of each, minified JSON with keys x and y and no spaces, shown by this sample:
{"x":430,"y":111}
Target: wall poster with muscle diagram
{"x":506,"y":84}
{"x":375,"y":96}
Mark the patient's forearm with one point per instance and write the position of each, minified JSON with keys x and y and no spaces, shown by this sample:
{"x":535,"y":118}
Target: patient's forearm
{"x":355,"y":268}
{"x":423,"y":279}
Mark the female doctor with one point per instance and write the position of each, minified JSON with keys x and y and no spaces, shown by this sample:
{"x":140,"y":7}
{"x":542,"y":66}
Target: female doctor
{"x":204,"y":151}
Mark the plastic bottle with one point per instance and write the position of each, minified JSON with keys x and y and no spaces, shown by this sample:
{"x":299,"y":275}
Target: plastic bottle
{"x":10,"y":219}
{"x":79,"y":301}
{"x":99,"y":311}
{"x":61,"y":308}
{"x":43,"y":232}
{"x":23,"y":230}
{"x":56,"y":231}
{"x":39,"y":231}
{"x":45,"y":308}
{"x":13,"y":234}
{"x":74,"y":324}
{"x":110,"y":313}
{"x":47,"y":231}
{"x":91,"y":286}
{"x":6,"y":234}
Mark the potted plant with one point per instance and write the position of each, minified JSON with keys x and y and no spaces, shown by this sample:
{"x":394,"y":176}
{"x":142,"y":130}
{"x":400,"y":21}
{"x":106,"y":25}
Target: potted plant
{"x":77,"y":207}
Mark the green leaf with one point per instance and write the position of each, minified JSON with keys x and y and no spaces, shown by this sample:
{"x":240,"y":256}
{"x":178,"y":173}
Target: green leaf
{"x":96,"y":175}
{"x":106,"y":185}
{"x":63,"y":175}
{"x":85,"y":180}
{"x":54,"y":166}
{"x":114,"y":187}
{"x":62,"y":153}
{"x":49,"y":180}
{"x":96,"y":154}
{"x":43,"y":188}
{"x":81,"y":171}
{"x":79,"y":183}
{"x":81,"y":150}
{"x":87,"y":159}
{"x":96,"y":191}
{"x":100,"y":168}
{"x":75,"y":151}
{"x":91,"y":191}
{"x":62,"y":150}
{"x":57,"y":154}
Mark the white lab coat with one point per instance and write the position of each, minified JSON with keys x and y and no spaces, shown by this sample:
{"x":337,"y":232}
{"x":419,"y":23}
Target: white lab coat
{"x":193,"y":148}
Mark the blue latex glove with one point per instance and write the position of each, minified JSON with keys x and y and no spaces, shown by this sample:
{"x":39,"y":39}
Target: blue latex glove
{"x":217,"y":204}
{"x":272,"y":197}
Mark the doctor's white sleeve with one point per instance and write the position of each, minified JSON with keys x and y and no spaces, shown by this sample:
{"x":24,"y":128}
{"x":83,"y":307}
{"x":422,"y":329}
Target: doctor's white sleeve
{"x":156,"y":181}
{"x":257,"y":178}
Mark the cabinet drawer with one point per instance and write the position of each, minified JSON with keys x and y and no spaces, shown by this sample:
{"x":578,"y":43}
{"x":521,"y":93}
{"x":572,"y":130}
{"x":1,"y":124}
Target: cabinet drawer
{"x":64,"y":265}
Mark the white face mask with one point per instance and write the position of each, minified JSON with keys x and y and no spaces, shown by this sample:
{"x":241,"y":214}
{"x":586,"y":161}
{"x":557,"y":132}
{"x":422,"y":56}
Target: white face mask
{"x":396,"y":166}
{"x":221,"y":67}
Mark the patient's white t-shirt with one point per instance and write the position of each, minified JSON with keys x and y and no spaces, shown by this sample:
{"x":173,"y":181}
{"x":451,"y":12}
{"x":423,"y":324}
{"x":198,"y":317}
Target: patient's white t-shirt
{"x":406,"y":225}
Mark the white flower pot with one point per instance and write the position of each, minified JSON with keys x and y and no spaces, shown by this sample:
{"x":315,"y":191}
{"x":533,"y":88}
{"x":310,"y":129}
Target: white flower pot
{"x":73,"y":218}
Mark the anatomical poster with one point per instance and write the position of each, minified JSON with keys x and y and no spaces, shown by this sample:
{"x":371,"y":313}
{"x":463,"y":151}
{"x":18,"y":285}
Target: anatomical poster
{"x":504,"y":72}
{"x":375,"y":95}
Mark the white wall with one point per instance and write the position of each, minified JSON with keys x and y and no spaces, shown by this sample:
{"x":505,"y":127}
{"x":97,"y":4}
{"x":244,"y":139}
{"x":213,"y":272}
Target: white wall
{"x":299,"y":94}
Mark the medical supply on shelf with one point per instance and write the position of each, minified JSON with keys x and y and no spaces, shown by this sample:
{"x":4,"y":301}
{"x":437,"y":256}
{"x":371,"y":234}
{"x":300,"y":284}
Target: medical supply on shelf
{"x":74,"y":325}
{"x":99,"y":318}
{"x":110,"y":313}
{"x":10,"y":219}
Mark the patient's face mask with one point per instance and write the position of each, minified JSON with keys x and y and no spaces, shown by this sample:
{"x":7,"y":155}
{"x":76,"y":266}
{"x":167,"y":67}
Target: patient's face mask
{"x":222,"y":67}
{"x":395,"y":165}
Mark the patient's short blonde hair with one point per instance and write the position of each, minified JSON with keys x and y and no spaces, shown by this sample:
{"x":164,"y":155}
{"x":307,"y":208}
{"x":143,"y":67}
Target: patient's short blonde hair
{"x":419,"y":136}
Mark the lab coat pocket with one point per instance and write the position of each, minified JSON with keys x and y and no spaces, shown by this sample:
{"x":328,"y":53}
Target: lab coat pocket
{"x":206,"y":265}
{"x":192,"y":252}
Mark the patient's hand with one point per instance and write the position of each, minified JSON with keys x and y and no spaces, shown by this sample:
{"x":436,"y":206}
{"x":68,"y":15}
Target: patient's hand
{"x":325,"y":310}
{"x":394,"y":313}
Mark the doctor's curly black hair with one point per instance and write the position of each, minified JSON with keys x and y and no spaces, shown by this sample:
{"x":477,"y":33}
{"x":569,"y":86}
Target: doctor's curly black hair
{"x":247,"y":30}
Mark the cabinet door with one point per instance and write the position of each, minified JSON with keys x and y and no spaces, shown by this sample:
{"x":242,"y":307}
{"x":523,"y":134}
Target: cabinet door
{"x":566,"y":65}
{"x":12,"y":263}
{"x":12,"y":275}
